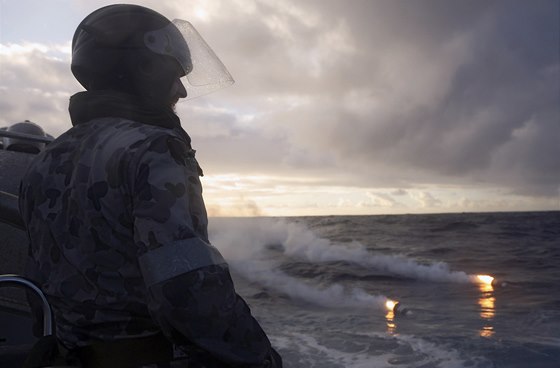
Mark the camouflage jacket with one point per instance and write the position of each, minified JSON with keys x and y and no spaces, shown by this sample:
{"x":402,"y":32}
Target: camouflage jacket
{"x":119,"y":242}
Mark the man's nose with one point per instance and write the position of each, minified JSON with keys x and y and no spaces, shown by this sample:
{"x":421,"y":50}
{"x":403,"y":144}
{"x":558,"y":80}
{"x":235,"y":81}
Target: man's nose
{"x":181,"y":90}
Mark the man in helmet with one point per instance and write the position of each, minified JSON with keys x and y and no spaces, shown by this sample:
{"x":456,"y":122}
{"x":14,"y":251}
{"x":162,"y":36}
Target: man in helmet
{"x":24,"y":145}
{"x":114,"y":208}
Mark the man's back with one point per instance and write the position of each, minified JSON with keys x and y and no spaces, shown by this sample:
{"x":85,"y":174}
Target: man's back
{"x":77,"y":202}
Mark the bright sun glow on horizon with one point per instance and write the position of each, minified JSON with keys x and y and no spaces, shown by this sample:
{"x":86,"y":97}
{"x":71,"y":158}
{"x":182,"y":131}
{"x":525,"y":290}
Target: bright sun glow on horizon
{"x":242,"y":195}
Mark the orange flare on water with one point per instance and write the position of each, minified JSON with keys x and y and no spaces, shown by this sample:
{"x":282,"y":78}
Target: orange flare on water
{"x":390,"y":304}
{"x":485,"y":279}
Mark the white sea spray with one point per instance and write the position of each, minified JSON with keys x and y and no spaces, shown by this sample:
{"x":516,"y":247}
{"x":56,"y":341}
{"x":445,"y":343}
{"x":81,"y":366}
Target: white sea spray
{"x":248,"y":239}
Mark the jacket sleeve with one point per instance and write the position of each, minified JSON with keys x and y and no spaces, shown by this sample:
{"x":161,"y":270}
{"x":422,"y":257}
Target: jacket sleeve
{"x":191,"y":293}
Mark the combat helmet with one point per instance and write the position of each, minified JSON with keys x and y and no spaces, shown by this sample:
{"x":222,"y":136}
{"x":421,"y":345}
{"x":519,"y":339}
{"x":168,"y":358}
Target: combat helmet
{"x":137,"y":50}
{"x":18,"y":141}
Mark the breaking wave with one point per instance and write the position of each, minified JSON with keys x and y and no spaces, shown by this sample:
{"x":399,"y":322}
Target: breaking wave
{"x":251,"y":239}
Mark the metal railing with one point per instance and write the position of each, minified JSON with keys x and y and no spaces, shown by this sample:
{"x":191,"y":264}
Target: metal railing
{"x":18,"y":281}
{"x":25,"y":136}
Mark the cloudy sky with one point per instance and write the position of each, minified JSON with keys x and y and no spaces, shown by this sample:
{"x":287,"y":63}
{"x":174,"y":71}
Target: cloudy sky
{"x":340,"y":107}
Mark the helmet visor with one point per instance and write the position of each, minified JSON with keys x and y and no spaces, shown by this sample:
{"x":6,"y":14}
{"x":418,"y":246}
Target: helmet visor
{"x":204,"y":71}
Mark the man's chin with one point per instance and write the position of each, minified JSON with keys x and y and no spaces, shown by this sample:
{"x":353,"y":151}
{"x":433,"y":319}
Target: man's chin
{"x":173,"y":104}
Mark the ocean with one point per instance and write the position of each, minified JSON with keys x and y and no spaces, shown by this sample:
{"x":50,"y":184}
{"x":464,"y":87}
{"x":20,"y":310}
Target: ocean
{"x":319,"y":287}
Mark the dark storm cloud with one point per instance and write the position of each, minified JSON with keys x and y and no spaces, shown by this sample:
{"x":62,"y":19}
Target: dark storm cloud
{"x":441,"y":89}
{"x":499,"y":119}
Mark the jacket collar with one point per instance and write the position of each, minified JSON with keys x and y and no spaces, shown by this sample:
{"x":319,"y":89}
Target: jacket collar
{"x":89,"y":105}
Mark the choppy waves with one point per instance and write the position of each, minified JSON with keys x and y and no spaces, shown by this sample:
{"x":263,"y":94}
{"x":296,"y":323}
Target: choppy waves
{"x":319,"y":292}
{"x":256,"y":247}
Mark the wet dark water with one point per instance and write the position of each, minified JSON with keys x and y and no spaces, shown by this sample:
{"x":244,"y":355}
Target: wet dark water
{"x":319,"y":284}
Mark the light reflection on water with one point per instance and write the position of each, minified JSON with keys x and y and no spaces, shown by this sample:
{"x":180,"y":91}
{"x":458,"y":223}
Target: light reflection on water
{"x":390,"y":317}
{"x":487,"y":303}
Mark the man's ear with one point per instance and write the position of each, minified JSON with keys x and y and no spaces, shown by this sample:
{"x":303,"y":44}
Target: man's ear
{"x":146,"y":67}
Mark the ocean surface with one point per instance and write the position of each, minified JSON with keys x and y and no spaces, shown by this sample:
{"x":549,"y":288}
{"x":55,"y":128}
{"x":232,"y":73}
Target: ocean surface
{"x":319,"y":286}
